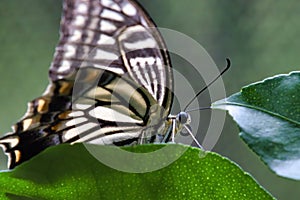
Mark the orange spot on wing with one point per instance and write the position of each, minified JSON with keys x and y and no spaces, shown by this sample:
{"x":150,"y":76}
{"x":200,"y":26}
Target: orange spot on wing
{"x":18,"y":155}
{"x":64,"y":115}
{"x":65,"y":88}
{"x":42,"y":106}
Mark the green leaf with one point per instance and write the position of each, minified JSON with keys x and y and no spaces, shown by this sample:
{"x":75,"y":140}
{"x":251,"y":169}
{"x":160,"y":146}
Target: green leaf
{"x":71,"y":172}
{"x":268,"y":115}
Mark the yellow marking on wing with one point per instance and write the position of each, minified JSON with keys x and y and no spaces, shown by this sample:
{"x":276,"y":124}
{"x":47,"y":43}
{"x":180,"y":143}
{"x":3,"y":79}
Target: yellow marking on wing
{"x":31,"y":122}
{"x":64,"y":115}
{"x":101,"y":94}
{"x":18,"y":155}
{"x":57,"y":127}
{"x":42,"y":106}
{"x":65,"y":88}
{"x":92,"y":75}
{"x":27,"y":123}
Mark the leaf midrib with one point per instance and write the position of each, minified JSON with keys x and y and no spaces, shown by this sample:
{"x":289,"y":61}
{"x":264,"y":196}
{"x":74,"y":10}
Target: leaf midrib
{"x":262,"y":110}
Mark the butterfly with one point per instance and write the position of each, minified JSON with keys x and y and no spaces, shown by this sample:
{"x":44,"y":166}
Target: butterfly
{"x":111,"y":82}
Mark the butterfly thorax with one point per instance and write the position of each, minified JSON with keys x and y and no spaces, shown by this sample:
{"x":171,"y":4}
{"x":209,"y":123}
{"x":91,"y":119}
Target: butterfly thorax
{"x":172,"y":125}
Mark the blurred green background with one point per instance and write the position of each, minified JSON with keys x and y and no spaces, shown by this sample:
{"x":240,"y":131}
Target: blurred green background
{"x":260,"y":38}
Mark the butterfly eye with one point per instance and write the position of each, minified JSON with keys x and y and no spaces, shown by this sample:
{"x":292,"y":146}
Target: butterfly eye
{"x":183,"y":118}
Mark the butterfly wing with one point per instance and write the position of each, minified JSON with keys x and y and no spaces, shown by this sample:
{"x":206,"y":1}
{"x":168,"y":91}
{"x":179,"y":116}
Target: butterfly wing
{"x":107,"y":50}
{"x":119,"y":34}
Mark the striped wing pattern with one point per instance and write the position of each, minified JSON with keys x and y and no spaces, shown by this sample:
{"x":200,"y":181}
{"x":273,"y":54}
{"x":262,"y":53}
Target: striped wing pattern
{"x":110,"y":82}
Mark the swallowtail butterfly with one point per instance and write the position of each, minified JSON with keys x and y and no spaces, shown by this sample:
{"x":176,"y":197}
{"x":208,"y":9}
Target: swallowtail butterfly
{"x":111,"y":82}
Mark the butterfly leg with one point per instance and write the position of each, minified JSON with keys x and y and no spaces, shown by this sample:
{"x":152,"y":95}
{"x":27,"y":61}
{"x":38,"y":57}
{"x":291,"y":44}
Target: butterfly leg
{"x":191,"y":134}
{"x":142,"y":138}
{"x":173,"y":130}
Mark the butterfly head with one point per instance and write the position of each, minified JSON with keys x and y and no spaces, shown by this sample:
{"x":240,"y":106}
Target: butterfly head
{"x":183,"y":118}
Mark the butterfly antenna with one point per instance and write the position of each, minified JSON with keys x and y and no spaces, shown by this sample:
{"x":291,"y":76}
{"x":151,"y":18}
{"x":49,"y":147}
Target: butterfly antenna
{"x":203,"y":89}
{"x":197,"y":109}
